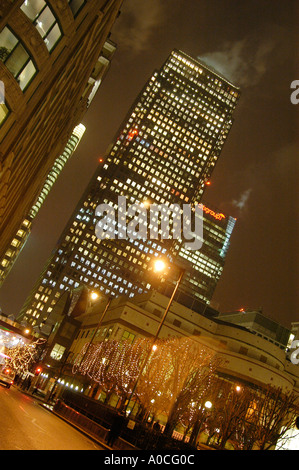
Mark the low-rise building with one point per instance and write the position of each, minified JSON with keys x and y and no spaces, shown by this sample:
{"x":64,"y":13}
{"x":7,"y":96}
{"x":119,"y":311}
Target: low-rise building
{"x":248,"y":357}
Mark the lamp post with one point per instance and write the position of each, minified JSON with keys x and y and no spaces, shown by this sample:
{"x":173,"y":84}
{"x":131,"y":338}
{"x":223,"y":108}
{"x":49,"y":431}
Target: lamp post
{"x":159,"y":266}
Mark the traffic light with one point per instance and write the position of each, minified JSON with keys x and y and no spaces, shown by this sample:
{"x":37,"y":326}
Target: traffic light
{"x":37,"y":370}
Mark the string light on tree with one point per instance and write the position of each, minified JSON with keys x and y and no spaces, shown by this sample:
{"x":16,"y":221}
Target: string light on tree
{"x":23,"y":356}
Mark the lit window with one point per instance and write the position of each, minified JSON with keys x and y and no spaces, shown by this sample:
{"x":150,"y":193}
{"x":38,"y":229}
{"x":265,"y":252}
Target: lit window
{"x":43,"y":19}
{"x":127,"y":336}
{"x":15,"y":242}
{"x":16,"y":58}
{"x":57,"y":352}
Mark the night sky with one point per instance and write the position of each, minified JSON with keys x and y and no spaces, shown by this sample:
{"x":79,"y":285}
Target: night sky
{"x":253,"y":43}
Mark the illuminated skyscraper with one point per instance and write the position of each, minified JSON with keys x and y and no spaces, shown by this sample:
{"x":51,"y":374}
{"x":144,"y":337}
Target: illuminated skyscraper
{"x":164,"y":153}
{"x":21,"y":236}
{"x":206,"y":265}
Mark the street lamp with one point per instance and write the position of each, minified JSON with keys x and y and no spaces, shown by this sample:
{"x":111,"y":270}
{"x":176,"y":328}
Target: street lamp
{"x":94,"y":296}
{"x":159,"y":266}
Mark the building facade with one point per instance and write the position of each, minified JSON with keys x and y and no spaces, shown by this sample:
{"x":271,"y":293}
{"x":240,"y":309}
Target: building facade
{"x":248,"y":357}
{"x":52,"y":58}
{"x":163,"y":155}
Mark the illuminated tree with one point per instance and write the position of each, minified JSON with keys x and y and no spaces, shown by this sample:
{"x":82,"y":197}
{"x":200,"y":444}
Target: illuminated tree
{"x":194,"y":415}
{"x":152,"y":383}
{"x":248,"y":418}
{"x":114,"y":365}
{"x":191,"y":368}
{"x":179,"y":373}
{"x":228,"y":416}
{"x":23,"y":356}
{"x":274,"y":412}
{"x":176,"y":375}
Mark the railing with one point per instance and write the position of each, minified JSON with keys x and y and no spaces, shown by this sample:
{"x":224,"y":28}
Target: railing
{"x":87,"y":425}
{"x":95,"y":418}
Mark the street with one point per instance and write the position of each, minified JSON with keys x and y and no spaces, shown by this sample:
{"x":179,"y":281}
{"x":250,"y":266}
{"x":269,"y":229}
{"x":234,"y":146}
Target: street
{"x":25,"y":425}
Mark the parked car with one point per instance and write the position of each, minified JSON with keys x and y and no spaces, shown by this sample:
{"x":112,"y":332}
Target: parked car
{"x":6,"y":376}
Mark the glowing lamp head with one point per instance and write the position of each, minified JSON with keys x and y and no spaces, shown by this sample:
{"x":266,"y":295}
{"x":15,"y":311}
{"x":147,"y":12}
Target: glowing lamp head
{"x":159,"y":265}
{"x":94,"y":295}
{"x":208,"y":404}
{"x":146,"y":203}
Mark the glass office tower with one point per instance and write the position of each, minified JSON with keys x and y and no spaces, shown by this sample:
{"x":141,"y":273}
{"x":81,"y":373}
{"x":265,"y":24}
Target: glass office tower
{"x":164,"y":153}
{"x":21,"y":236}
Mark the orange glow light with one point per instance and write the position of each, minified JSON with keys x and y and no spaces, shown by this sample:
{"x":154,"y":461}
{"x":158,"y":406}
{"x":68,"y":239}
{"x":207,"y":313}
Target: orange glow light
{"x":132,"y":134}
{"x":159,"y":265}
{"x":216,"y":215}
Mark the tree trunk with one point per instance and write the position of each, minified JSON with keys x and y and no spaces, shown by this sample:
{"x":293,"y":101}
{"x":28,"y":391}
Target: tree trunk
{"x":171,"y":422}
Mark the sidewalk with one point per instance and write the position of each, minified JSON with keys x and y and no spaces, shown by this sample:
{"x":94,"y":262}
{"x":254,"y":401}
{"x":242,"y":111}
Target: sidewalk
{"x":120,"y":444}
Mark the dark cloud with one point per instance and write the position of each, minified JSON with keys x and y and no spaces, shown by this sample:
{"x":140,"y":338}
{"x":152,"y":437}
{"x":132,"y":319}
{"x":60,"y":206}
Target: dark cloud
{"x":246,"y":61}
{"x":137,"y":24}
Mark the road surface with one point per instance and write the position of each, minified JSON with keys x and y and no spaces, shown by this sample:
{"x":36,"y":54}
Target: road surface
{"x":25,"y":425}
